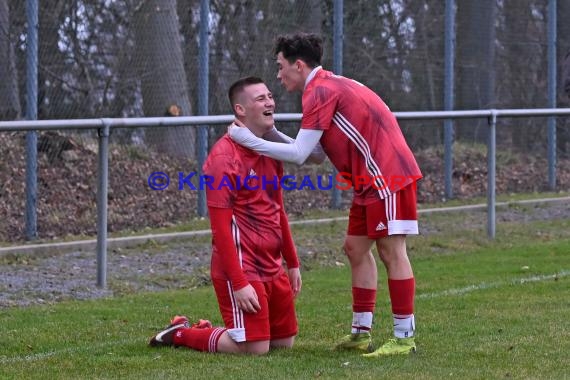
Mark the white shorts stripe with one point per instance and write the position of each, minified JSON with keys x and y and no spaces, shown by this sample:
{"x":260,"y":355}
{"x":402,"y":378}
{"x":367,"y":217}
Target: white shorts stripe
{"x":236,"y":311}
{"x":237,"y":335}
{"x":237,"y":242}
{"x":390,"y":205}
{"x":403,"y":227}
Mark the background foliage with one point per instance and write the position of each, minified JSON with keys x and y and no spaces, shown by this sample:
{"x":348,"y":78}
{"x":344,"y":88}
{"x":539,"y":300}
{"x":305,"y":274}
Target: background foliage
{"x":135,"y":58}
{"x":123,"y":58}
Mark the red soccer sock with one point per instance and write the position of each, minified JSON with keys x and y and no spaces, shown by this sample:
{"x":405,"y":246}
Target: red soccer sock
{"x":205,"y":339}
{"x":402,"y":294}
{"x":363,"y":300}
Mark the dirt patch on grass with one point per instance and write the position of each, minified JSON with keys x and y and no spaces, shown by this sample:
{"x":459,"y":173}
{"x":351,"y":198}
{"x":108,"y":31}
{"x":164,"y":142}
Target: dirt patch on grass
{"x":29,"y":280}
{"x":67,"y":183}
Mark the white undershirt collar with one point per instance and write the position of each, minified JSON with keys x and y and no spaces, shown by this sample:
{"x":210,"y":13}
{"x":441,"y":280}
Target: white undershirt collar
{"x":312,"y":75}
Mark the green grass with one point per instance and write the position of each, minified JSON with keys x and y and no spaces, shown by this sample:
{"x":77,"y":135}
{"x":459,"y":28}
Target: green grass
{"x":510,"y":197}
{"x":200,"y":223}
{"x":484,"y":310}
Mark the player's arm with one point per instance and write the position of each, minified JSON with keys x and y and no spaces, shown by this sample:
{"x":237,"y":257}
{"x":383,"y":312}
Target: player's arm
{"x":296,"y":152}
{"x":277,"y":136}
{"x":289,"y":251}
{"x":223,"y":241}
{"x":317,"y":155}
{"x":221,"y":222}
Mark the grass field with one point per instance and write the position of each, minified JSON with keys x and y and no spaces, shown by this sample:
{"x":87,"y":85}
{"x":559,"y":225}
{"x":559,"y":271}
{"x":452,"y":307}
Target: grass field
{"x":484,"y":310}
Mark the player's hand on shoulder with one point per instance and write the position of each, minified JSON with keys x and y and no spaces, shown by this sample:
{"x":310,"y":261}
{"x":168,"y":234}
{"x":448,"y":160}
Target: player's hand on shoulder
{"x":235,"y":125}
{"x":238,"y":123}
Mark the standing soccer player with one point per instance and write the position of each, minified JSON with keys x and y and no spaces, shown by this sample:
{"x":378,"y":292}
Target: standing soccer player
{"x":250,"y":237}
{"x":361,"y":137}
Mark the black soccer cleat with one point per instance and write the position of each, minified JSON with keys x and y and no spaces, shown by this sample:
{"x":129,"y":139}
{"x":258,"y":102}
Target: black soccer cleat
{"x":166,"y":336}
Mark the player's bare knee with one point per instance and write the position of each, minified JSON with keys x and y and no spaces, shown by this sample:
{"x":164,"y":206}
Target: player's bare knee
{"x":353,"y":254}
{"x":391,"y":249}
{"x":259,"y":351}
{"x":256,"y":348}
{"x":346,"y":248}
{"x":352,"y":250}
{"x":282,"y":344}
{"x":392,"y":245}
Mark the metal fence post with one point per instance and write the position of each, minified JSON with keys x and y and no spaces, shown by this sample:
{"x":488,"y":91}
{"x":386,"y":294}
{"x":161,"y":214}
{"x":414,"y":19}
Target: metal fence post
{"x":32,"y":114}
{"x":551,"y":36}
{"x":338,"y":23}
{"x":448,"y":95}
{"x":491,"y":175}
{"x":203,"y":84}
{"x":102,"y":192}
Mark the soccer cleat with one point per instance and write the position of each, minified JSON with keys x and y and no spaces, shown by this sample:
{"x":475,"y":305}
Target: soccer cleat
{"x":166,"y":336}
{"x":202,"y":324}
{"x":396,"y":346}
{"x":360,"y":341}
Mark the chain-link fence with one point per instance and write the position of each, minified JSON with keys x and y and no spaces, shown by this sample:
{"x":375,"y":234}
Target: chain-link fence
{"x":134,"y":58}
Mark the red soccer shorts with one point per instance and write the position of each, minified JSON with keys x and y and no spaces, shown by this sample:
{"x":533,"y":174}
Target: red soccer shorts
{"x":394,"y":215}
{"x":275,"y":320}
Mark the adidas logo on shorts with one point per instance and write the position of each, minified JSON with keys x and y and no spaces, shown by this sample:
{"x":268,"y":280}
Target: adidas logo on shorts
{"x":381,"y":227}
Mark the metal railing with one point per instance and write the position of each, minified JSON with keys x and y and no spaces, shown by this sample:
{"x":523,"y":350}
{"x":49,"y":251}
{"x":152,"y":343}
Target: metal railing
{"x":105,"y":125}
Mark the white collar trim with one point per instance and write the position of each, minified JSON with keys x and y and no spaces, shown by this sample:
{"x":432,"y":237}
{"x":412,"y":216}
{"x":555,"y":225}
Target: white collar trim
{"x":312,"y":75}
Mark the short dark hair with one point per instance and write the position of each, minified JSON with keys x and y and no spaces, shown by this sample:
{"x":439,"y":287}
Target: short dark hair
{"x":307,"y":47}
{"x":238,"y":86}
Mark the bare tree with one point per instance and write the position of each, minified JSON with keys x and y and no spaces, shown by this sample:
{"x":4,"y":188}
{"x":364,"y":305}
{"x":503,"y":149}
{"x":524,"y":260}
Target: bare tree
{"x":522,"y":69}
{"x":160,"y":65}
{"x":424,"y":67}
{"x":563,"y":124}
{"x":475,"y":61}
{"x":426,"y":55}
{"x":563,"y":34}
{"x":243,"y":34}
{"x":9,"y":94}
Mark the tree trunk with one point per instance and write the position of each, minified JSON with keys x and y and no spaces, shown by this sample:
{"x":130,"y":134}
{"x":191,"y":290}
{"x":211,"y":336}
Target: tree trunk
{"x":562,"y":123}
{"x":310,"y":16}
{"x":476,"y":49}
{"x":9,"y":95}
{"x":160,"y":66}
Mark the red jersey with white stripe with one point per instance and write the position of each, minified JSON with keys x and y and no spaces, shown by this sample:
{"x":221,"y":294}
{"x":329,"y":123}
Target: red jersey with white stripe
{"x":360,"y":135}
{"x":248,"y":184}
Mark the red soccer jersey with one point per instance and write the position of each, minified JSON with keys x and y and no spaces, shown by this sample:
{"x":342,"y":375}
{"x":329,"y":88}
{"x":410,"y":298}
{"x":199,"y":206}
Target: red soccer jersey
{"x":360,"y":135}
{"x":249,"y":185}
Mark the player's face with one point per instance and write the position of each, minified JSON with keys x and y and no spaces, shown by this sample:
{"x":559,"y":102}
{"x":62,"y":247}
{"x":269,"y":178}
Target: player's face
{"x":258,"y":107}
{"x":289,"y":74}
